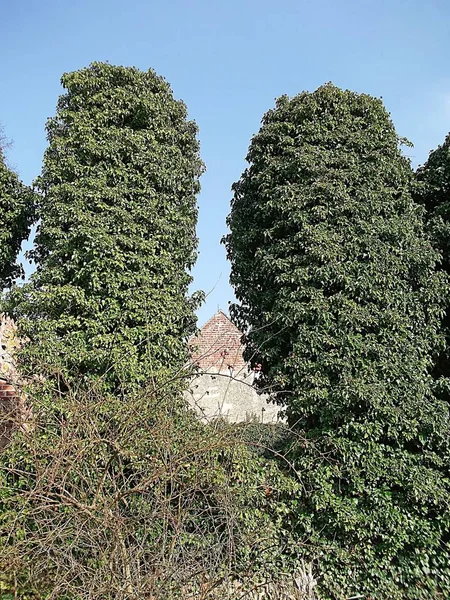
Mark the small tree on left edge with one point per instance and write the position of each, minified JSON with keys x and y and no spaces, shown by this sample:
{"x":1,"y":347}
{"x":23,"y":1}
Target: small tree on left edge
{"x":16,"y":218}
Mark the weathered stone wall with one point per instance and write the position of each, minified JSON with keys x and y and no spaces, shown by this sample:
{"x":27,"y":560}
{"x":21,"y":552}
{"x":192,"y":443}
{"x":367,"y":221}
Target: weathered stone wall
{"x":224,"y":386}
{"x":216,"y":394}
{"x":10,"y":412}
{"x":9,"y":344}
{"x":13,"y":411}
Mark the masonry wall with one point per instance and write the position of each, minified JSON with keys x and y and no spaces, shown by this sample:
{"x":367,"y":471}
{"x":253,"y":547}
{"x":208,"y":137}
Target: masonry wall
{"x":13,"y":412}
{"x":224,"y":387}
{"x":9,"y":344}
{"x":216,"y":395}
{"x":9,"y":412}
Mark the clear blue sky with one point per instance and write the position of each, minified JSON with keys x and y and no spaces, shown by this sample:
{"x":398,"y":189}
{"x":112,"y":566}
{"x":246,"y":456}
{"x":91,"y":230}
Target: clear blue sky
{"x":228,"y":60}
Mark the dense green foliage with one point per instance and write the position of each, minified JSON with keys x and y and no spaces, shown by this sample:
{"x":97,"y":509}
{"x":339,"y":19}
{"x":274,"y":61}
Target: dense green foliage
{"x":433,"y":191}
{"x":118,"y":491}
{"x":16,"y":217}
{"x":337,"y":289}
{"x":117,"y":229}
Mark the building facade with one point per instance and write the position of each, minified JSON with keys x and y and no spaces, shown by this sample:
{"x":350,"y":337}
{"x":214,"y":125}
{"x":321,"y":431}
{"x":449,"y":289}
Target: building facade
{"x":12,"y":407}
{"x":224,"y":385}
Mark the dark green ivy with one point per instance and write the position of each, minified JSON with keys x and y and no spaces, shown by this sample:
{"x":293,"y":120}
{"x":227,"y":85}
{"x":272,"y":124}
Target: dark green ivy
{"x":338,"y":293}
{"x":433,"y":191}
{"x":16,"y":217}
{"x":117,"y":232}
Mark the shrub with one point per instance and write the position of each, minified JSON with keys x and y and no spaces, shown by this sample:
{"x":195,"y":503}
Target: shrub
{"x":132,"y":497}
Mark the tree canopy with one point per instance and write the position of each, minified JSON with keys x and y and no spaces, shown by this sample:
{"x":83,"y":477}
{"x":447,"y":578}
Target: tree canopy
{"x":434,"y":176}
{"x":433,"y":191}
{"x":338,"y":293}
{"x":16,"y":217}
{"x":117,"y":235}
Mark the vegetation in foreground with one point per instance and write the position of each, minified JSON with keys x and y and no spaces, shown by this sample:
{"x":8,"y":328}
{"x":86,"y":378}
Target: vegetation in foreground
{"x":132,"y":497}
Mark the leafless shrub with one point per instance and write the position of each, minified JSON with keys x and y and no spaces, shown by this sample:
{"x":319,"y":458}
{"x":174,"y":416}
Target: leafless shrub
{"x":131,"y":497}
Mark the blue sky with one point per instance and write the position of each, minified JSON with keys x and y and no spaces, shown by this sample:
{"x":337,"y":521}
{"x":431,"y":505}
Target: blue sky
{"x":228,"y":60}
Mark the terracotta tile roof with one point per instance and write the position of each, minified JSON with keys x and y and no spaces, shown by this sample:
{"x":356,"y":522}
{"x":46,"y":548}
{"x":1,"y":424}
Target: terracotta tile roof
{"x":218,"y":345}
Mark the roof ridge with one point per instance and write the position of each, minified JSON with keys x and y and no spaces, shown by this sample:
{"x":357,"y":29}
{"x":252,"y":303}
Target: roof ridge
{"x":219,"y":311}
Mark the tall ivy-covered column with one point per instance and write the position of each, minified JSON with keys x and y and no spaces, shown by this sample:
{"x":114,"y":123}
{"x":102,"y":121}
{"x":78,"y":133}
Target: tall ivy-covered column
{"x":338,"y":293}
{"x":117,"y":232}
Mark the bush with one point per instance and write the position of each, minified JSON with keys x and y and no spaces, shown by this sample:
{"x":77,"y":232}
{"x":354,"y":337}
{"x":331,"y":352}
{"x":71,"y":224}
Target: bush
{"x":132,"y":497}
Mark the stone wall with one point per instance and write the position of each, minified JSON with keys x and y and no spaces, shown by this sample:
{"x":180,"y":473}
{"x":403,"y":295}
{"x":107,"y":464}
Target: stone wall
{"x":216,"y":395}
{"x":9,"y":412}
{"x":13,"y":411}
{"x":9,"y":344}
{"x":224,"y":386}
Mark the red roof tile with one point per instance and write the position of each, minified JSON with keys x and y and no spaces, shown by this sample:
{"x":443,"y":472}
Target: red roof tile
{"x":218,"y":345}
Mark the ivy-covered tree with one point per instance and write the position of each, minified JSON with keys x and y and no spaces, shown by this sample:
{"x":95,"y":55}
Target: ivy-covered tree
{"x":16,"y":217}
{"x":117,"y":235}
{"x":338,"y":293}
{"x":433,"y":191}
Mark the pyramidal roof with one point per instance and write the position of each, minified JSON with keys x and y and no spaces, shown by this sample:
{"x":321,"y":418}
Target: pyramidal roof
{"x":218,"y":345}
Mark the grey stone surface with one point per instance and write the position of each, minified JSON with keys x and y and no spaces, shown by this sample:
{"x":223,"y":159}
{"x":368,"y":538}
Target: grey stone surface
{"x":230,"y":396}
{"x":9,"y":344}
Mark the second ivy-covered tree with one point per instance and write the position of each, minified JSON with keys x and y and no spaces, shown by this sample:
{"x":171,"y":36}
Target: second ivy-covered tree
{"x":117,"y":232}
{"x":433,"y":191}
{"x":338,"y":293}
